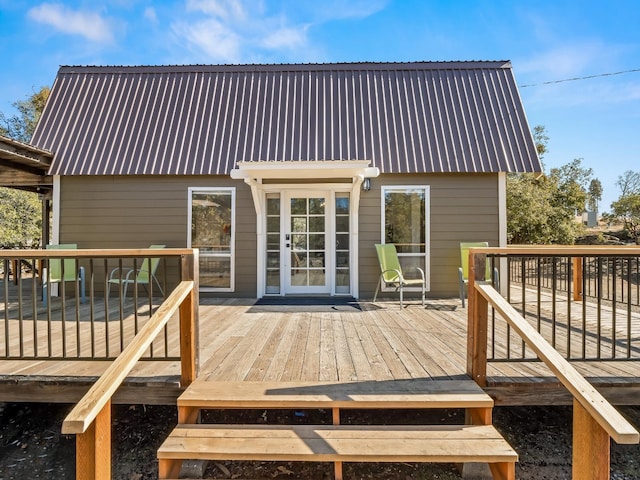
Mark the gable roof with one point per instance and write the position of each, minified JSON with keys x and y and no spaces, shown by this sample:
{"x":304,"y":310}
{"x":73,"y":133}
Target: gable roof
{"x":423,"y":117}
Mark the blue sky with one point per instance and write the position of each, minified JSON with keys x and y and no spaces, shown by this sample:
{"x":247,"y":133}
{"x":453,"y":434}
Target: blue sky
{"x":595,"y":119}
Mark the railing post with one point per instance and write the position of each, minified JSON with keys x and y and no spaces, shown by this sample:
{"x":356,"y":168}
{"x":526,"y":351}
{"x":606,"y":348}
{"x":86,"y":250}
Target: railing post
{"x":189,"y":348}
{"x":477,"y":324}
{"x":577,"y":278}
{"x":591,"y":447}
{"x":93,"y":448}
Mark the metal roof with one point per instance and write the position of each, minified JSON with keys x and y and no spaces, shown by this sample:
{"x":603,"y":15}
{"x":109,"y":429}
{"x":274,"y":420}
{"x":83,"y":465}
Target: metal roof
{"x":420,"y":117}
{"x":24,"y":167}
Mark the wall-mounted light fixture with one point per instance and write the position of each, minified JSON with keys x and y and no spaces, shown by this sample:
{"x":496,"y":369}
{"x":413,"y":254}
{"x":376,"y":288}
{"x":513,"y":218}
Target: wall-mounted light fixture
{"x":366,"y":184}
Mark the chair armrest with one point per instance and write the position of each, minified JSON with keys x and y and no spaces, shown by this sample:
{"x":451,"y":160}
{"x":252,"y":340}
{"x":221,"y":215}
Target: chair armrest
{"x":424,"y":278}
{"x":397,"y":272}
{"x":120,"y":276}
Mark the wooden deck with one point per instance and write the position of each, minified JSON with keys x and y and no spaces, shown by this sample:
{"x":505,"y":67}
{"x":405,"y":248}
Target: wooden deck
{"x":242,"y":341}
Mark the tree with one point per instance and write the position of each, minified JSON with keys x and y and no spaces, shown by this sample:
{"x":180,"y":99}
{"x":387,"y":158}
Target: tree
{"x":594,"y":195}
{"x":541,"y":209}
{"x":20,"y":212}
{"x":629,"y":183}
{"x":22,"y":125}
{"x":627,"y":209}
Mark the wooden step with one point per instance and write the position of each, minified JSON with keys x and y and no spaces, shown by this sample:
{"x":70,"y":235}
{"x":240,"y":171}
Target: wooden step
{"x":334,"y":443}
{"x":413,"y":393}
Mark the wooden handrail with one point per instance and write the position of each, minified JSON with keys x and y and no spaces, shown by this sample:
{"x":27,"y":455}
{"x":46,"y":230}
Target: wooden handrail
{"x":591,"y":400}
{"x":562,"y":250}
{"x":97,"y":253}
{"x":99,"y":395}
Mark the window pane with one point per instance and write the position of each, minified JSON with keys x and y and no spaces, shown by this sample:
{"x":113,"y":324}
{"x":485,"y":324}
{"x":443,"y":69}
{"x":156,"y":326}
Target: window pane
{"x":316,"y":278}
{"x":342,"y":241}
{"x":299,"y":242}
{"x":211,"y":222}
{"x":316,"y":224}
{"x":342,"y":203}
{"x":316,"y":259}
{"x":298,"y":224}
{"x":316,"y":206}
{"x":316,"y":242}
{"x":273,"y":206}
{"x":405,"y":220}
{"x":215,"y":272}
{"x":342,"y":259}
{"x":342,"y":223}
{"x":273,"y":224}
{"x":298,"y":206}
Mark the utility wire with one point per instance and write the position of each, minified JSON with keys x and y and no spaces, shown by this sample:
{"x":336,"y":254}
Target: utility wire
{"x":581,"y":78}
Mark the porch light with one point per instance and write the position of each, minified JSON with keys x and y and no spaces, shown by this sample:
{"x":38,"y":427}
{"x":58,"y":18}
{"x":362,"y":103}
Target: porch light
{"x":366,"y":184}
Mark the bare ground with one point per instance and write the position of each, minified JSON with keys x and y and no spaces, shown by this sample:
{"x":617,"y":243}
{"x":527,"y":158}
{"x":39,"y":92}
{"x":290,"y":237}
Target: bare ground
{"x":31,"y":445}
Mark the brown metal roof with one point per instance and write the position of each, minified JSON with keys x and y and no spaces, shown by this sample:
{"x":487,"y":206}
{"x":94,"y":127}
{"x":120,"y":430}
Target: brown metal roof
{"x":403,"y":117}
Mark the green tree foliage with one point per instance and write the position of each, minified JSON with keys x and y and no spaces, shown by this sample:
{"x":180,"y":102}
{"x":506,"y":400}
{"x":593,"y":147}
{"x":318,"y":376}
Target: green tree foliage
{"x":541,"y":209}
{"x":21,"y":125}
{"x":627,"y":207}
{"x":594,"y":195}
{"x":21,"y":219}
{"x":20,"y":212}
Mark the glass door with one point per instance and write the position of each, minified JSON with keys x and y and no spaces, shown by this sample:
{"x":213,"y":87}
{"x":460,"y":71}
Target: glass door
{"x":306,"y":240}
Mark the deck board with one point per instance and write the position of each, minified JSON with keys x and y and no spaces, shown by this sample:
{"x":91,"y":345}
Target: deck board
{"x":241,"y":341}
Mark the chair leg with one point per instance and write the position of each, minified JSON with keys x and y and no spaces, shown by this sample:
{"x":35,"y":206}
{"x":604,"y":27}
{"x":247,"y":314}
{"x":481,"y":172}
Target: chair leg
{"x":400,"y":297}
{"x":375,"y":295}
{"x":462,"y":294}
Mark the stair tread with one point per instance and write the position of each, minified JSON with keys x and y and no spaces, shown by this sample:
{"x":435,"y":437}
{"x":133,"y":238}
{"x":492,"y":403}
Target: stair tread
{"x":410,"y":393}
{"x":345,"y":443}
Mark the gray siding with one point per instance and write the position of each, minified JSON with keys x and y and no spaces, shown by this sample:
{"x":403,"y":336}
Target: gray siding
{"x":462,"y":208}
{"x":136,"y":211}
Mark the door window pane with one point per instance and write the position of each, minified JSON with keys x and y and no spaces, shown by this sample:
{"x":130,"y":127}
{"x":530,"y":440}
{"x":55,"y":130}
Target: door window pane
{"x":273,"y":244}
{"x":212,"y":231}
{"x":343,"y":247}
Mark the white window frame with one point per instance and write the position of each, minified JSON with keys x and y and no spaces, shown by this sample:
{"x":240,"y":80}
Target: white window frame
{"x":232,"y":250}
{"x":384,"y":189}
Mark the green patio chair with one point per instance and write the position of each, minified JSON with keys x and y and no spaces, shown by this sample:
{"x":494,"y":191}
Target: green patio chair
{"x":391,"y":272}
{"x":142,"y":275}
{"x":463,"y":271}
{"x":54,"y":273}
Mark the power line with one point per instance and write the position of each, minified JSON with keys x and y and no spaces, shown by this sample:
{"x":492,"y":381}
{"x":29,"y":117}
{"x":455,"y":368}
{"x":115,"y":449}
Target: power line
{"x":581,"y":78}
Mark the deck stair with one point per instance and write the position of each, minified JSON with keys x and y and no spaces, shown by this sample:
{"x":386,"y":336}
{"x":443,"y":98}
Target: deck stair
{"x":476,"y":442}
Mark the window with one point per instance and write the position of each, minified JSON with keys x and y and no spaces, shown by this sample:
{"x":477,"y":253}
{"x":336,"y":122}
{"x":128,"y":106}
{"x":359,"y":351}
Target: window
{"x":212,"y":230}
{"x":405,"y":224}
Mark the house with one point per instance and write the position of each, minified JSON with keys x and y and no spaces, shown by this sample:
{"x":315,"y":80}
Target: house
{"x":285,"y":176}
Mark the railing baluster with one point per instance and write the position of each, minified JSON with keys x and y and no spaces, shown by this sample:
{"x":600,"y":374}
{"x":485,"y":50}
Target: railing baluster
{"x":34,"y":306}
{"x":614,"y":300}
{"x":599,"y":310}
{"x":584,"y":314}
{"x":629,"y":335}
{"x":107,"y":286}
{"x":92,"y":317}
{"x":7,"y":347}
{"x":569,"y":268}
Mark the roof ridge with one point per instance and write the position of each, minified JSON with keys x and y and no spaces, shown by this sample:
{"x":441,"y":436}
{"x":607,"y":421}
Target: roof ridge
{"x":285,"y":67}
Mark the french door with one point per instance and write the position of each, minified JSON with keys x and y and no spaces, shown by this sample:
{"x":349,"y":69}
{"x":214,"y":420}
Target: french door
{"x":307,"y":257}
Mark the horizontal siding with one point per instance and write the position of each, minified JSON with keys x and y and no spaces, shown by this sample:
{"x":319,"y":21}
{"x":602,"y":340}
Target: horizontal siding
{"x":136,"y":211}
{"x":462,"y":208}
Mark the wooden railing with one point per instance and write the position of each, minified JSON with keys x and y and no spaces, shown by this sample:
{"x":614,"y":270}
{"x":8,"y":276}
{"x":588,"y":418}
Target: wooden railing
{"x":89,"y":317}
{"x":90,"y":419}
{"x":595,"y":420}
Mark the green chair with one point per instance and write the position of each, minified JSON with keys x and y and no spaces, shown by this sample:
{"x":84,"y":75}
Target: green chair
{"x":58,"y":267}
{"x":463,"y":271}
{"x":142,"y":275}
{"x":391,"y":272}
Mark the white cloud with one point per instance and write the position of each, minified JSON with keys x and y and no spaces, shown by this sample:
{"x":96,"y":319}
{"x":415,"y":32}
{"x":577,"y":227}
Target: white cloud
{"x":286,"y":37}
{"x":250,"y":30}
{"x":223,"y":9}
{"x":211,"y":37}
{"x":89,"y":25}
{"x":150,"y":14}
